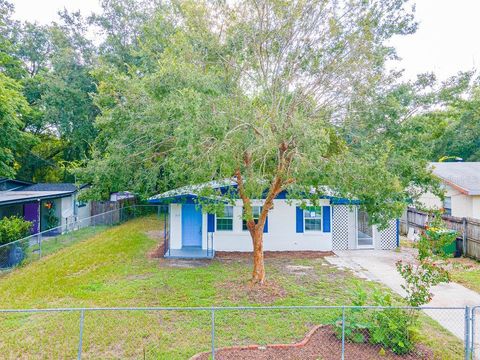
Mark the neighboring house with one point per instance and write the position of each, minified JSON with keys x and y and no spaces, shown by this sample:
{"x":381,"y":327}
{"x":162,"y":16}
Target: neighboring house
{"x":12,"y":184}
{"x":34,"y":201}
{"x":122,"y":195}
{"x":461,"y":181}
{"x":336,"y":224}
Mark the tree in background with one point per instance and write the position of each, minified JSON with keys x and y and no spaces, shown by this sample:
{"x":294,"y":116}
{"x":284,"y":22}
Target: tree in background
{"x":462,"y":127}
{"x":13,"y":105}
{"x":12,"y":139}
{"x":57,"y":59}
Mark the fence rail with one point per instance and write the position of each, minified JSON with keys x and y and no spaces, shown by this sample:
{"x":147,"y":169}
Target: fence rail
{"x":467,"y":228}
{"x":326,"y":332}
{"x":36,"y":246}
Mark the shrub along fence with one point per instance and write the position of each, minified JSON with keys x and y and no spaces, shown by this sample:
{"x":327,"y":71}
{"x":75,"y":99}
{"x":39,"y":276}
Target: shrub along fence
{"x":468,"y":229}
{"x":293,"y":332}
{"x":35,"y":246}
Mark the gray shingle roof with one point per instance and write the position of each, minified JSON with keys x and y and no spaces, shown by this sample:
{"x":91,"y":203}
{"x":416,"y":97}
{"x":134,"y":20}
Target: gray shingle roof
{"x":464,"y":176}
{"x":13,"y":197}
{"x":52,"y":187}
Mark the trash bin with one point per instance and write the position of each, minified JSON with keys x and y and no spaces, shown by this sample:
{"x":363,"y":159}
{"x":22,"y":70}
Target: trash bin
{"x":451,"y":247}
{"x":459,"y":250}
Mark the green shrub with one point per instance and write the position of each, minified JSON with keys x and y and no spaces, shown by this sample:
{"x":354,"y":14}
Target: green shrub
{"x":13,"y":228}
{"x":391,"y":328}
{"x":356,"y":324}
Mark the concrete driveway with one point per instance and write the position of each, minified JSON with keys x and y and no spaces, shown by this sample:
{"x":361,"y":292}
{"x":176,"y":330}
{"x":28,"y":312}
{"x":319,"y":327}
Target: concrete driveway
{"x":379,"y":265}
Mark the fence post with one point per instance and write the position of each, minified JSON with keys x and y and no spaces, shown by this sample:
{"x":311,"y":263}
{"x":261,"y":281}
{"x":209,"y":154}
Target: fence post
{"x":472,"y":336}
{"x":465,"y":237}
{"x":343,"y":332}
{"x":467,"y":333}
{"x":80,"y":340}
{"x":213,"y":333}
{"x":39,"y":240}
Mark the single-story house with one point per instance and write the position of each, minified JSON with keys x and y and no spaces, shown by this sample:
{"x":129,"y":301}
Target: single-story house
{"x":461,"y":181}
{"x":46,"y":205}
{"x":335,"y":224}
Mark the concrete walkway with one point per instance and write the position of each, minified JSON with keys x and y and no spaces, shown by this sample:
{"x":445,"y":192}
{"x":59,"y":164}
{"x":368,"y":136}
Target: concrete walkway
{"x":379,"y":265}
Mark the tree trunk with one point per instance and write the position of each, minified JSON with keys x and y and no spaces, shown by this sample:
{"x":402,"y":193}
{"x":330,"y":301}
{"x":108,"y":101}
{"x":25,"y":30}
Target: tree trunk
{"x":258,"y":274}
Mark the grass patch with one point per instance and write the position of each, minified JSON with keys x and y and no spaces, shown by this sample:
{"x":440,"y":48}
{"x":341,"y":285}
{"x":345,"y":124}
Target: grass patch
{"x":465,"y":271}
{"x":112,"y":268}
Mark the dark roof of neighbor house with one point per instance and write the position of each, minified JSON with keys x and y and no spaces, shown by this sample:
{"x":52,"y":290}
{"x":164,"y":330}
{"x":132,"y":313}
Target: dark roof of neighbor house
{"x":69,"y":187}
{"x":10,"y":184}
{"x":22,"y":196}
{"x":463,"y":176}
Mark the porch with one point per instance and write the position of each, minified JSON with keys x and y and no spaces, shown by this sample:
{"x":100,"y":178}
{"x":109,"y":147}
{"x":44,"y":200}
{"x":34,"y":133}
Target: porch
{"x":190,"y":245}
{"x":189,"y":252}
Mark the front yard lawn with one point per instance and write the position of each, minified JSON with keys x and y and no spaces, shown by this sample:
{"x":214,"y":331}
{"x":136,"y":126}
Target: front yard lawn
{"x":116,"y":268}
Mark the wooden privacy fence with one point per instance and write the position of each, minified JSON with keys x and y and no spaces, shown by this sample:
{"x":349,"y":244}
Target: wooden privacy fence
{"x":468,"y":229}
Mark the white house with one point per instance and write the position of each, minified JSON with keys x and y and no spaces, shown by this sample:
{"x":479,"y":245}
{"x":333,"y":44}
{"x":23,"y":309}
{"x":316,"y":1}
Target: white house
{"x":336,"y":224}
{"x":461,"y":181}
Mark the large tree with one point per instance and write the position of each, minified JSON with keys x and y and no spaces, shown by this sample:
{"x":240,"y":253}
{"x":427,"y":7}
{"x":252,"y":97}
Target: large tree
{"x":462,"y":135}
{"x":57,"y":60}
{"x":273,"y":95}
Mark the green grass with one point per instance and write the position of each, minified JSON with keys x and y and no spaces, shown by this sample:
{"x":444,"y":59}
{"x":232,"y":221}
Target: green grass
{"x":465,"y":271}
{"x":113,"y":268}
{"x":55,"y":243}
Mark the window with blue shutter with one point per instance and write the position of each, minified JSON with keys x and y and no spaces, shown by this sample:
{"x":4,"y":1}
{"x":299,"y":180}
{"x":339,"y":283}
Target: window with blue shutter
{"x":326,"y":219}
{"x":299,"y":212}
{"x":265,"y":227}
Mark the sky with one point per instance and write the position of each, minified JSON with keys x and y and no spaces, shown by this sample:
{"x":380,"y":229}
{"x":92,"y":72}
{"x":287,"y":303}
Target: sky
{"x":447,"y":41}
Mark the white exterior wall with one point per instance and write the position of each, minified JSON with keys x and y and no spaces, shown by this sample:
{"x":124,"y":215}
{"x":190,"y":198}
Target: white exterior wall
{"x":281,"y":235}
{"x":67,"y":210}
{"x":462,"y":205}
{"x":84,"y":211}
{"x":175,"y":226}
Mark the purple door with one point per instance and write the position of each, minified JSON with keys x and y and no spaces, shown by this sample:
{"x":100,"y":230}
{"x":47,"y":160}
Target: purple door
{"x":31,"y":212}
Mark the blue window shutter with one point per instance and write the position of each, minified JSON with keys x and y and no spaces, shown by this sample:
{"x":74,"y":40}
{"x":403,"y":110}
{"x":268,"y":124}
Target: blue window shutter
{"x":211,"y":222}
{"x":265,"y":227}
{"x":326,"y":219}
{"x":299,"y":219}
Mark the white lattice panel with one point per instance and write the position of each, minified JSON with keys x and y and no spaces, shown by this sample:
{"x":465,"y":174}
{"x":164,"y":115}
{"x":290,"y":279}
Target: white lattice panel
{"x":340,"y":217}
{"x":388,"y":237}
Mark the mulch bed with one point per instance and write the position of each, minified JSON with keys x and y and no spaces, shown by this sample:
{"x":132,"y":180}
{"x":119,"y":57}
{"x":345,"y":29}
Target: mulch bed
{"x":274,"y":254}
{"x":319,"y":343}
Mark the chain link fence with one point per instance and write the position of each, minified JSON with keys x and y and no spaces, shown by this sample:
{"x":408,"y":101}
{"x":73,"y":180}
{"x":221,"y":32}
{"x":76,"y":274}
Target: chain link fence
{"x":282,"y":332}
{"x":36,"y":246}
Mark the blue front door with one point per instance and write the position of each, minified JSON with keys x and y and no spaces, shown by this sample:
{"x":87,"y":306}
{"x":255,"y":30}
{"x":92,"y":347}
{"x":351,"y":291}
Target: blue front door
{"x":191,"y":225}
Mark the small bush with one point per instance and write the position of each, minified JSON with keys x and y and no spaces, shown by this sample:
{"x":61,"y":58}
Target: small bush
{"x":392,"y":328}
{"x":13,"y":228}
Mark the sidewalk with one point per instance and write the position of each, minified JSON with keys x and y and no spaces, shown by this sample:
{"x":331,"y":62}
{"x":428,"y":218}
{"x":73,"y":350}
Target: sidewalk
{"x":379,"y":265}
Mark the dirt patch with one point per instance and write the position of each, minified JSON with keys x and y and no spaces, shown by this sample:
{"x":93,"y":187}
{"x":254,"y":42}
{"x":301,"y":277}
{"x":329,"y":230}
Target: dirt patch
{"x":299,"y":270}
{"x":320,"y":343}
{"x":274,"y":254}
{"x":236,"y":290}
{"x":158,"y":252}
